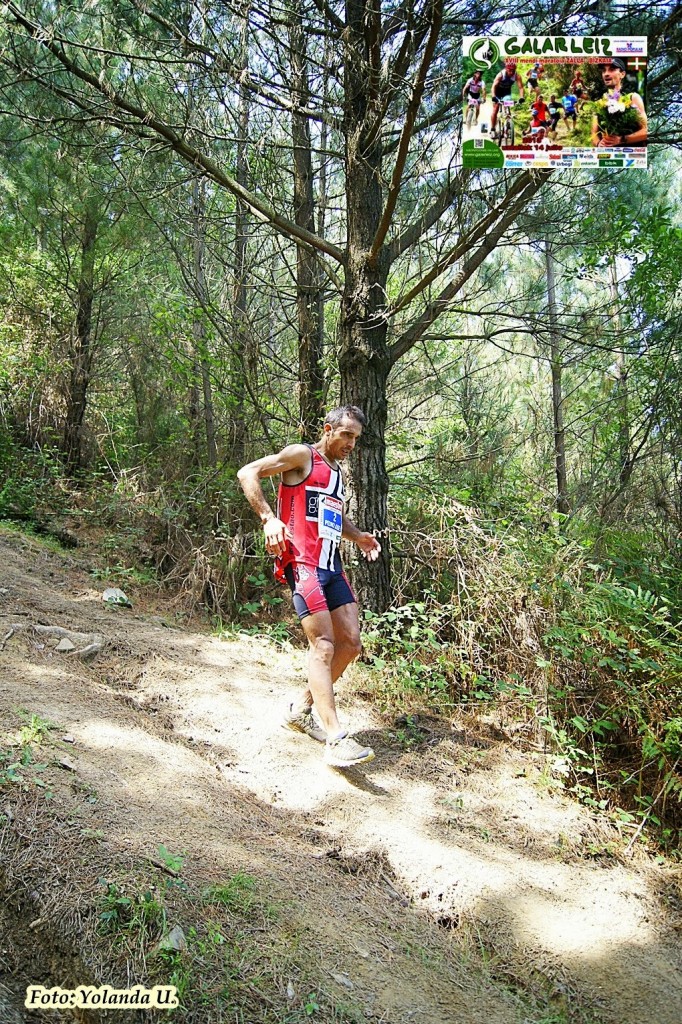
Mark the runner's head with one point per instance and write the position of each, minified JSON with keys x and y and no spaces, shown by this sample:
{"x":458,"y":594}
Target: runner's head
{"x":613,"y":73}
{"x":342,"y":428}
{"x":334,"y":416}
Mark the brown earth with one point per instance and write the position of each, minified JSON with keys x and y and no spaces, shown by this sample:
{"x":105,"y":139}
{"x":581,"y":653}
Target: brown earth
{"x":448,"y":880}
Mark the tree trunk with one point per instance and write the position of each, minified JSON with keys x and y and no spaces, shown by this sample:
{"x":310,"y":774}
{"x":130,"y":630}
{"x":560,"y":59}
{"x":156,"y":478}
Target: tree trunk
{"x":81,"y":351}
{"x":309,"y":285}
{"x":614,"y":503}
{"x":364,"y":357}
{"x":364,"y":367}
{"x":241,"y":361}
{"x":625,"y":464}
{"x":198,"y":326}
{"x":556,"y":357}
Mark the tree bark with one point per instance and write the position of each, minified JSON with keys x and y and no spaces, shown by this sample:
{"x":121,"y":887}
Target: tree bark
{"x":309,"y":284}
{"x":556,"y":357}
{"x":81,"y":350}
{"x":198,"y":325}
{"x":364,"y":357}
{"x":242,"y":360}
{"x":625,"y":463}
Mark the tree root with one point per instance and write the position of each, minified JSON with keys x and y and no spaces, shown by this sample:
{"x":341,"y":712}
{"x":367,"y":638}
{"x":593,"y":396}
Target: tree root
{"x":94,"y":642}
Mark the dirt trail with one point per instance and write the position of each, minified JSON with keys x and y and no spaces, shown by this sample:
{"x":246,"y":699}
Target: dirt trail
{"x":178,"y":734}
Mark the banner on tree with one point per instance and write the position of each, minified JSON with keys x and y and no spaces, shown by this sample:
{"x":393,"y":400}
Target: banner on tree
{"x":554,"y":101}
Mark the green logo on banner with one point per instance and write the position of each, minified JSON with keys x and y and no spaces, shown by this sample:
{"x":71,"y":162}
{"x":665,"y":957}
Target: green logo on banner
{"x":483,"y":53}
{"x":481,"y":153}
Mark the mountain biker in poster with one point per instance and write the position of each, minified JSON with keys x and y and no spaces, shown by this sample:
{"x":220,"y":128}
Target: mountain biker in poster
{"x":502,"y":89}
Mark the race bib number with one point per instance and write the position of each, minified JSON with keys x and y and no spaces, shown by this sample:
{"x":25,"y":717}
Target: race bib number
{"x":330,"y":518}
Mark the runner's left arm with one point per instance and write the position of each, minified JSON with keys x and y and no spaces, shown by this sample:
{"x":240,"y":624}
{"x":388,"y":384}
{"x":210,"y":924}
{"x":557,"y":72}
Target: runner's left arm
{"x":367,"y":542}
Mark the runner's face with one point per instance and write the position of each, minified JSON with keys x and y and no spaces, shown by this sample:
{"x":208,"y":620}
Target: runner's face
{"x":341,"y":440}
{"x":612,"y":76}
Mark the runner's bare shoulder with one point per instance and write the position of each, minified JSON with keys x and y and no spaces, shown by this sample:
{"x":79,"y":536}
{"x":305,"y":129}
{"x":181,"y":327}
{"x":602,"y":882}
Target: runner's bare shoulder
{"x":294,"y":460}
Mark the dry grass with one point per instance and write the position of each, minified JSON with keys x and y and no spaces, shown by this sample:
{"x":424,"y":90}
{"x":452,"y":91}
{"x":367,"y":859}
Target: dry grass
{"x":240,"y":956}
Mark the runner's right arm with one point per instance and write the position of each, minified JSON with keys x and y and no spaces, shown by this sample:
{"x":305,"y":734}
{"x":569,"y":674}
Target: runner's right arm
{"x":293,"y":457}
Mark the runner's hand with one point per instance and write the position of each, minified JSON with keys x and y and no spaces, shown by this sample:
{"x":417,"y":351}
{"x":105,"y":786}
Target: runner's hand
{"x":276,"y":536}
{"x":369,"y":546}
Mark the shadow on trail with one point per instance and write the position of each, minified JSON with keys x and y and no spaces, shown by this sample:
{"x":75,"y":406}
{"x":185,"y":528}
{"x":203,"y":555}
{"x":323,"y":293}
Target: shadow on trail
{"x":359,"y":780}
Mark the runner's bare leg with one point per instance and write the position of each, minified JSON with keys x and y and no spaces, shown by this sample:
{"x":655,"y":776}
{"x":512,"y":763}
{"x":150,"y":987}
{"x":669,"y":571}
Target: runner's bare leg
{"x":319,"y":629}
{"x":346,"y":643}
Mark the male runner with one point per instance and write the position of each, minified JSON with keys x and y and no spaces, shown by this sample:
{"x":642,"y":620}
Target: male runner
{"x":556,"y":111}
{"x":540,"y":113}
{"x":577,"y":87}
{"x":305,"y":536}
{"x":569,"y":101}
{"x":534,"y":75}
{"x":614,"y":73}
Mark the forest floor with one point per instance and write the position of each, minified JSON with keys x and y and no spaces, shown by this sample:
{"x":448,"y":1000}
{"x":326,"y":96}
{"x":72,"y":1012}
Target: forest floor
{"x":449,"y":880}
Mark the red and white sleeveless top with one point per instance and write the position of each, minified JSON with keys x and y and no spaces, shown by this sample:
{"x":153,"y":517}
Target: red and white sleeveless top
{"x":313,"y":513}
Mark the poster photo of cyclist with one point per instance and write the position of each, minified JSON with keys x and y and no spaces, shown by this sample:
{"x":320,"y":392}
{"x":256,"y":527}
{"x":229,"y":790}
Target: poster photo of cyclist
{"x":554,"y":101}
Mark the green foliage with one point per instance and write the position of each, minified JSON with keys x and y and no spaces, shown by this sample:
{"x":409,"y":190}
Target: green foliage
{"x":18,"y":766}
{"x":616,"y":687}
{"x":22,"y":771}
{"x":240,"y":895}
{"x":518,"y":616}
{"x":27,"y":486}
{"x":119,"y":913}
{"x":125,"y":574}
{"x":36,"y":729}
{"x":406,"y":646}
{"x":265,"y":595}
{"x":173,"y":861}
{"x":311,"y":1005}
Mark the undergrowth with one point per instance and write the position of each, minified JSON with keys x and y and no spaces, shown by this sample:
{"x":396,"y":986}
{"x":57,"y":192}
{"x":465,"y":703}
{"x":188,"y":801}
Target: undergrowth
{"x":532,"y":627}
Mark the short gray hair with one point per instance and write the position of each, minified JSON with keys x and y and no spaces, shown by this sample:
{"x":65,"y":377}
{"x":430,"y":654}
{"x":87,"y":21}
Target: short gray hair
{"x":335,"y":416}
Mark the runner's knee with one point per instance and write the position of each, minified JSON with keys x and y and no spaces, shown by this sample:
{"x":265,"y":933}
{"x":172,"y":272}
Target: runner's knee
{"x":351,"y":645}
{"x":323,"y":648}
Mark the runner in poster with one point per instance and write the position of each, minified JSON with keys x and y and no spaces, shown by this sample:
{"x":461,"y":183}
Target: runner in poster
{"x":540,"y":113}
{"x":569,"y":102}
{"x":578,"y":87}
{"x":620,"y":118}
{"x":534,"y":76}
{"x":556,"y":112}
